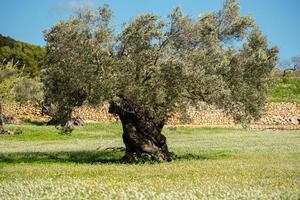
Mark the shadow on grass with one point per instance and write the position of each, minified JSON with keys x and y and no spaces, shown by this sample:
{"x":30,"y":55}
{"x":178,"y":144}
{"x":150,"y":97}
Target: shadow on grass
{"x":91,"y":157}
{"x":62,"y":157}
{"x":203,"y":156}
{"x":35,"y":122}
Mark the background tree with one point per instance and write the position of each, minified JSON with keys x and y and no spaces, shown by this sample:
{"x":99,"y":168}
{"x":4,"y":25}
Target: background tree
{"x":15,"y":85}
{"x":7,"y":73}
{"x":77,"y":52}
{"x":296,"y":61}
{"x":290,"y":65}
{"x":156,"y":67}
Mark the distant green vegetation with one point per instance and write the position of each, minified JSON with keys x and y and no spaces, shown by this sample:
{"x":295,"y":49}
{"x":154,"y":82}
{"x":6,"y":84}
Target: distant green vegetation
{"x":18,"y":86}
{"x":286,"y":89}
{"x":27,"y":56}
{"x":210,"y":164}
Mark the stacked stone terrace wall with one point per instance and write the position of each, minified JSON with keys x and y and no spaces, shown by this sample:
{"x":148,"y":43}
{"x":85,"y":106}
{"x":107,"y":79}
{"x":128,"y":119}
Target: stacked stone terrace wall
{"x":277,"y":115}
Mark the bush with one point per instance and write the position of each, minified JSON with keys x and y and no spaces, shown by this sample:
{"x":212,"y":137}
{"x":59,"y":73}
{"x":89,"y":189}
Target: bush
{"x":28,"y":90}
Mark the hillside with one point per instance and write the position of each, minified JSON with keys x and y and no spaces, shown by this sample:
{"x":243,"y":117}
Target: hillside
{"x":285,"y":89}
{"x":28,"y":56}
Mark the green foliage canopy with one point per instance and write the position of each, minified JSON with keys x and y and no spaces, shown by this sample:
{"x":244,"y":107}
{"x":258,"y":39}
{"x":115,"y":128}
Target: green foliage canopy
{"x":156,"y":66}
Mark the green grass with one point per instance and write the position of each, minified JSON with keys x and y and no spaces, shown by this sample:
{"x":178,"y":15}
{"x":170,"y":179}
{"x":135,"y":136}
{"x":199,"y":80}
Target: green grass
{"x":209,"y":164}
{"x":286,"y":89}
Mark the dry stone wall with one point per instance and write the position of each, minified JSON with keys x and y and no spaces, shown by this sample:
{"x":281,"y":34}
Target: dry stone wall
{"x":277,"y":115}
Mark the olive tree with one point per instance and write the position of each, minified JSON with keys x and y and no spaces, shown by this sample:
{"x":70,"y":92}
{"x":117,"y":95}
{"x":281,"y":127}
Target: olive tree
{"x":156,"y":67}
{"x":7,"y":79}
{"x":14,"y":85}
{"x":290,"y":65}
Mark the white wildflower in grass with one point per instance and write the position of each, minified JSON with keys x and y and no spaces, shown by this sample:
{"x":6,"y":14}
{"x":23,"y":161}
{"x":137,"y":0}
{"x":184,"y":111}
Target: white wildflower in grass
{"x":211,"y":164}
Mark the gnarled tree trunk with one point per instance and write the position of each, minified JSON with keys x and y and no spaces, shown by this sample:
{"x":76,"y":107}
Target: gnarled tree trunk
{"x":142,"y":137}
{"x":2,"y":130}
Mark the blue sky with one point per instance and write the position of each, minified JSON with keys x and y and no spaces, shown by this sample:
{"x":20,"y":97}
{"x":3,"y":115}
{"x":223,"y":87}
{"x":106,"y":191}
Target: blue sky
{"x":25,"y":20}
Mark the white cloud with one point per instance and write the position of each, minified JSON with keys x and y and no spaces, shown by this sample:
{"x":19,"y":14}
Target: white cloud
{"x":73,"y":5}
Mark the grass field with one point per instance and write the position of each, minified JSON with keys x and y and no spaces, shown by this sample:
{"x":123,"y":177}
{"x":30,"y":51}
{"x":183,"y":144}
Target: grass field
{"x":209,"y":164}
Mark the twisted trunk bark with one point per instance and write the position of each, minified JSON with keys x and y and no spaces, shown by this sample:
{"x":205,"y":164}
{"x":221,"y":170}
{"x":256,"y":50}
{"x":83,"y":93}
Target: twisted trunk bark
{"x":2,"y":130}
{"x":142,"y":137}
